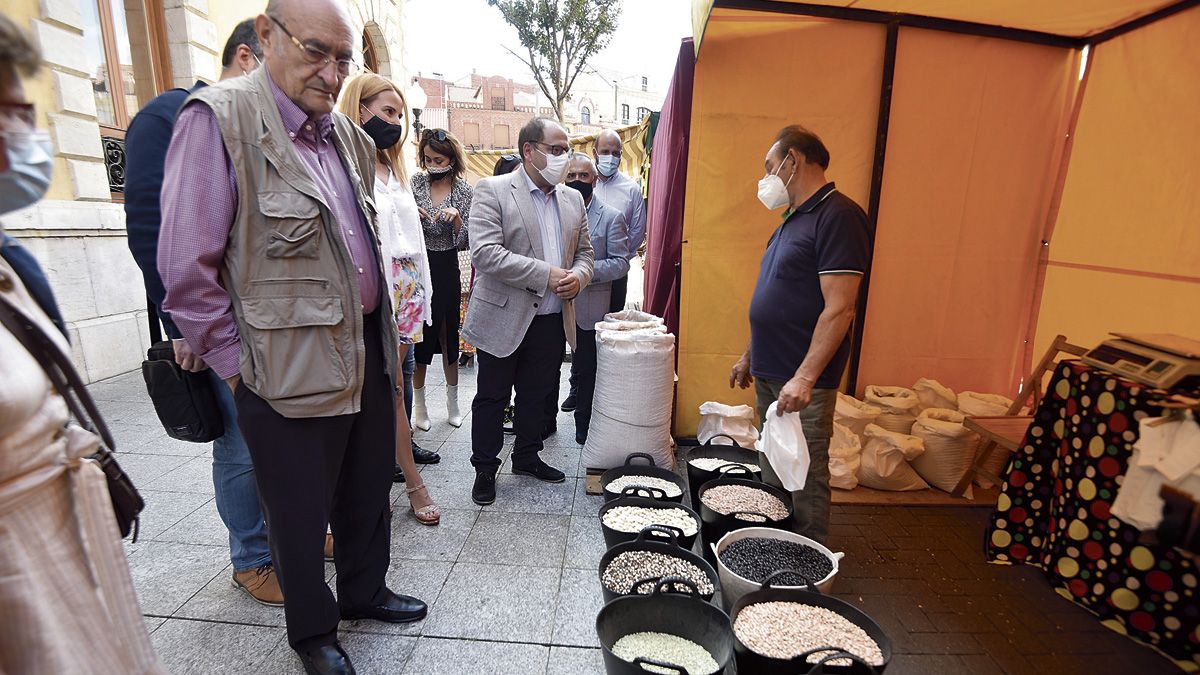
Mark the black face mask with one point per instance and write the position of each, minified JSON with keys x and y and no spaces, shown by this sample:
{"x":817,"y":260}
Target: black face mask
{"x":585,"y":189}
{"x":385,"y":135}
{"x":441,"y":176}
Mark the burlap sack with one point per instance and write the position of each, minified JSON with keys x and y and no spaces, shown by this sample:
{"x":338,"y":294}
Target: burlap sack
{"x":949,"y":448}
{"x":885,"y":458}
{"x":975,"y":404}
{"x":899,"y":406}
{"x":934,"y":394}
{"x":845,"y":455}
{"x":854,"y":414}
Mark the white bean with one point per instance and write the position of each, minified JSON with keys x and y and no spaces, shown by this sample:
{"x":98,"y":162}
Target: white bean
{"x":669,"y":648}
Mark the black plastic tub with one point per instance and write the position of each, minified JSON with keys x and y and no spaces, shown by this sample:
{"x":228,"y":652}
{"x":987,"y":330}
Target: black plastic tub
{"x":650,"y":469}
{"x":752,"y":662}
{"x":629,"y":498}
{"x":664,"y":611}
{"x":715,"y":525}
{"x":731,"y":453}
{"x":659,"y":540}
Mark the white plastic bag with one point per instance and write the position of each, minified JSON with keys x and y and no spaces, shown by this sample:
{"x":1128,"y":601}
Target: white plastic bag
{"x":949,"y":448}
{"x":845,"y":455}
{"x":854,"y":414}
{"x":735,"y":421}
{"x":885,"y":457}
{"x":934,"y":394}
{"x":635,"y":387}
{"x":786,"y":448}
{"x":974,"y":404}
{"x":899,"y":406}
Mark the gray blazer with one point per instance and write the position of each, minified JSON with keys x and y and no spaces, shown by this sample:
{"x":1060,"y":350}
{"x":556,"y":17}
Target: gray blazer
{"x":510,"y":276}
{"x":610,"y":246}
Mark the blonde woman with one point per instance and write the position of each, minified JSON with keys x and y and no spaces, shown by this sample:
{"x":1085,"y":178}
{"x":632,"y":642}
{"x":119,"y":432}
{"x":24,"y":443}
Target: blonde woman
{"x":379,"y":107}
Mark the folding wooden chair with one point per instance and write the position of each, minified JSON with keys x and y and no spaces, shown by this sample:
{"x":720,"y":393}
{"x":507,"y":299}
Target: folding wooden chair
{"x":994,"y":429}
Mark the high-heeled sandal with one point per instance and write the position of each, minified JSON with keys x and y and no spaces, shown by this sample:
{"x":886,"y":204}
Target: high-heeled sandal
{"x":426,"y":515}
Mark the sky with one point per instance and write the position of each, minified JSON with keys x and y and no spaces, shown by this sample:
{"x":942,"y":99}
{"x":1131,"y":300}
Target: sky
{"x":452,"y":37}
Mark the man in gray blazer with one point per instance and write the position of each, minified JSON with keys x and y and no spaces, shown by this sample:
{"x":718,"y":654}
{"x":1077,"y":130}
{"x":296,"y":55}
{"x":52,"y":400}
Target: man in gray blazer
{"x":610,"y":247}
{"x":532,"y":256}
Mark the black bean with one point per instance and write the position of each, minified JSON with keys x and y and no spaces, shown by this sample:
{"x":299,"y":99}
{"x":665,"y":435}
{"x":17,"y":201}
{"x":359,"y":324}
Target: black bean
{"x":756,"y":558}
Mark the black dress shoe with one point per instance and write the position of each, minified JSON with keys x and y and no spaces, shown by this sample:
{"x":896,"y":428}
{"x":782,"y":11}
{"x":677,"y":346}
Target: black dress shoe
{"x":423,"y":456}
{"x":569,"y":403}
{"x":580,"y":438}
{"x":540,"y":471}
{"x":395,"y":608}
{"x":484,"y":490}
{"x":549,"y":430}
{"x":397,"y":474}
{"x":326,"y":660}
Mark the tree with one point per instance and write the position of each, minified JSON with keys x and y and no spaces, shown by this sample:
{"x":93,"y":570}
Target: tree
{"x":559,"y":37}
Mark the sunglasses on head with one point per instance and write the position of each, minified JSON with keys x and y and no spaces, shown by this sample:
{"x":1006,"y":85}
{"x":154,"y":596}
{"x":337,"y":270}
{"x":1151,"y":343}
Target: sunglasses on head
{"x":439,"y":134}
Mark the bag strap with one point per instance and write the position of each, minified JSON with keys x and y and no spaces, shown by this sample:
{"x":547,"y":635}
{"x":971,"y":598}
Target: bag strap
{"x":59,"y":369}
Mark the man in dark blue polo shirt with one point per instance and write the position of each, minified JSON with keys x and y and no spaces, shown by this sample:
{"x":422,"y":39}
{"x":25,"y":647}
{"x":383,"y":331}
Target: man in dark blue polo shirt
{"x":802,"y":307}
{"x":146,"y":145}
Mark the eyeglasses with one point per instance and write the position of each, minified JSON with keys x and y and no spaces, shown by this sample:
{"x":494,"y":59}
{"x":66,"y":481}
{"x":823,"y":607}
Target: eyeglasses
{"x":439,"y":134}
{"x":316,"y":56}
{"x":556,"y":150}
{"x":21,"y":111}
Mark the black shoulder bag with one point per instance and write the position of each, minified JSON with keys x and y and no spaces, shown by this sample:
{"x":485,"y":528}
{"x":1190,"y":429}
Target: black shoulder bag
{"x":127,"y":503}
{"x":185,"y":402}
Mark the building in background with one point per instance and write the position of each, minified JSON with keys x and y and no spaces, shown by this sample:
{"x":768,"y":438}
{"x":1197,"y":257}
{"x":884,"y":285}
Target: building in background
{"x":78,"y":231}
{"x":485,"y":113}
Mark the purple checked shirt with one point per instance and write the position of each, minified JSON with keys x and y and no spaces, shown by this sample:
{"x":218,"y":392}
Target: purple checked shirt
{"x":199,"y":202}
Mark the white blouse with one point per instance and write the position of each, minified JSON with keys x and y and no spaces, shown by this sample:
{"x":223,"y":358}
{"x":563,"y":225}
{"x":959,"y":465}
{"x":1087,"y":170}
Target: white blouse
{"x":400,"y":233}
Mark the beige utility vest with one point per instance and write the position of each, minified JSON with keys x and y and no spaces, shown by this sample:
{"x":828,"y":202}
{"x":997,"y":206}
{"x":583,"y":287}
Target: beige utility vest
{"x":289,"y":274}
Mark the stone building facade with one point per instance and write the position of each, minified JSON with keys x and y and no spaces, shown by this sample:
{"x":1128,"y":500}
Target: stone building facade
{"x":78,"y":231}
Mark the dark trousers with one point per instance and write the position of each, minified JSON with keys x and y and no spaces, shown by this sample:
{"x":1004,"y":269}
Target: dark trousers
{"x":533,"y":370}
{"x":582,"y":381}
{"x":317,"y":470}
{"x":616,"y":301}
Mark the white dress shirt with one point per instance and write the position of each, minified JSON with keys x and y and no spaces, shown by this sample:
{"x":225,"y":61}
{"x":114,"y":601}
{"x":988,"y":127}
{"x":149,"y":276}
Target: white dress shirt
{"x":625,"y":195}
{"x":546,"y":207}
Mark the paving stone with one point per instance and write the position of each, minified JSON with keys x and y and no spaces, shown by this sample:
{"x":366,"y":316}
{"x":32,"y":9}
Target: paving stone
{"x":203,"y":647}
{"x":220,"y":600}
{"x":144,"y":470}
{"x":910,"y":664}
{"x":422,"y":579}
{"x":579,"y":600}
{"x":496,"y":602}
{"x":202,"y":526}
{"x":525,"y":494}
{"x":166,"y":575}
{"x":942,"y":643}
{"x":450,"y":489}
{"x":585,"y":504}
{"x":585,"y":544}
{"x":412,"y":540}
{"x":517,"y":539}
{"x":574,"y":661}
{"x":194,"y":475}
{"x":165,"y":509}
{"x":455,"y":657}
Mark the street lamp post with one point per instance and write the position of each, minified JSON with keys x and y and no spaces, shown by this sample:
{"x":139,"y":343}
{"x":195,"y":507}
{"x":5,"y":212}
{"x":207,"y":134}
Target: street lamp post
{"x":417,"y":101}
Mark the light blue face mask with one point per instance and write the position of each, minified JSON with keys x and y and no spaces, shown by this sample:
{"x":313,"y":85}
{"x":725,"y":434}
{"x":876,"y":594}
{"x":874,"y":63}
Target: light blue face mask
{"x":30,"y":165}
{"x":607,"y":164}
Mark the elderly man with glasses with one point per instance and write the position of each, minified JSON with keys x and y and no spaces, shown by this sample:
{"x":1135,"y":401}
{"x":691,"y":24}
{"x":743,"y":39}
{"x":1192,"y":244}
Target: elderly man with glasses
{"x":532,"y":256}
{"x":268,"y":253}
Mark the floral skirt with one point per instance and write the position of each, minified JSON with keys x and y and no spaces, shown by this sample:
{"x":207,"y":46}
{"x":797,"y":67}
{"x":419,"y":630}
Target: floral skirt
{"x":408,"y":298}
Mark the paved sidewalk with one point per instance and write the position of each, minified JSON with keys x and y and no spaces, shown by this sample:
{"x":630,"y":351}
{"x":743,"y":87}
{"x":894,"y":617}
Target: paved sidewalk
{"x":513,"y":587}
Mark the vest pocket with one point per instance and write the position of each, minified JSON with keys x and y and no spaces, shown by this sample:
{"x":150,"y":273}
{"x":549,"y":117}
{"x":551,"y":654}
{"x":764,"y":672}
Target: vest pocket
{"x":293,"y":224}
{"x":294,"y":342}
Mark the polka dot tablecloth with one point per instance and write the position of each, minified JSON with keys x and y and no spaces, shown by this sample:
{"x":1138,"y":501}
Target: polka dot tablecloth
{"x":1054,"y":512}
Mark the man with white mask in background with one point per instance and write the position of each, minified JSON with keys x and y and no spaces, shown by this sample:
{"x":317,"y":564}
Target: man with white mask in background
{"x":802,"y":308}
{"x":532,"y":256}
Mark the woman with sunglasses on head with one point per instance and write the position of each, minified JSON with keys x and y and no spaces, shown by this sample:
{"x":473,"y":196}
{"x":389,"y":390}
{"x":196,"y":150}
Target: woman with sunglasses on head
{"x":444,"y":200}
{"x":379,"y":107}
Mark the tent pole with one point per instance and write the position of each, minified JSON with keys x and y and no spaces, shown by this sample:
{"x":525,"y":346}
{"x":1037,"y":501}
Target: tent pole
{"x":910,"y":20}
{"x":881,"y":137}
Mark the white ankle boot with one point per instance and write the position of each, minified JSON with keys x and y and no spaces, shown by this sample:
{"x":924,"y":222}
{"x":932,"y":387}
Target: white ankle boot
{"x":420,"y":415}
{"x":452,"y":405}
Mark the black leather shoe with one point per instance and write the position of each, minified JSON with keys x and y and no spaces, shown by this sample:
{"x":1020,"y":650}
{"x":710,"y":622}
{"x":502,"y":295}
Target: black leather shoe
{"x":397,"y":474}
{"x":326,"y":660}
{"x":395,"y":608}
{"x":484,"y":490}
{"x":549,"y":430}
{"x":540,"y":471}
{"x":580,"y":438}
{"x":423,"y":456}
{"x":569,"y":403}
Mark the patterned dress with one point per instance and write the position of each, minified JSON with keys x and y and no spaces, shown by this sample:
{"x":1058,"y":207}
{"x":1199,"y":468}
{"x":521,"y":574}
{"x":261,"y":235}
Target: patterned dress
{"x":406,"y":260}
